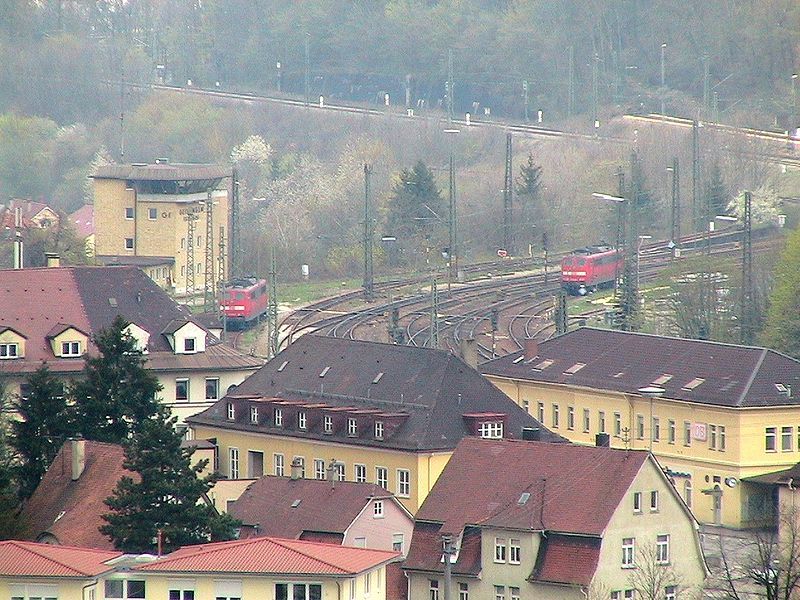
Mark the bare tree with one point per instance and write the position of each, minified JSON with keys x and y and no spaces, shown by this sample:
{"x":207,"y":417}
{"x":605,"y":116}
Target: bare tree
{"x":654,"y":575}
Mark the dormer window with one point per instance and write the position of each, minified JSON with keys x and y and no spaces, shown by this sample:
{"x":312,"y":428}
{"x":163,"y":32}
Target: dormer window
{"x":327,"y":424}
{"x":302,"y":420}
{"x":70,"y":349}
{"x":352,"y":427}
{"x":9,"y":350}
{"x":378,"y":430}
{"x":278,"y":417}
{"x":254,"y":415}
{"x":491,"y":429}
{"x":231,"y":411}
{"x":189,"y":345}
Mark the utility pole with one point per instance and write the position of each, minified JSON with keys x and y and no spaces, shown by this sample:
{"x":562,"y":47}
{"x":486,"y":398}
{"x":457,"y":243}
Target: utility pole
{"x":525,"y":96}
{"x":221,"y":273}
{"x":369,"y":283}
{"x":122,"y":115}
{"x":233,"y":252}
{"x":19,"y":250}
{"x":571,"y":88}
{"x":708,"y":296}
{"x":560,"y":313}
{"x":620,"y":225}
{"x":448,"y":550}
{"x":747,"y":317}
{"x":452,"y":250}
{"x":508,"y":200}
{"x":190,"y":217}
{"x":696,"y":212}
{"x":706,"y":87}
{"x":663,"y":79}
{"x":209,"y":285}
{"x":545,"y":248}
{"x":594,"y":89}
{"x":450,"y":85}
{"x":676,"y":205}
{"x":307,"y":69}
{"x":272,"y":305}
{"x":433,"y":340}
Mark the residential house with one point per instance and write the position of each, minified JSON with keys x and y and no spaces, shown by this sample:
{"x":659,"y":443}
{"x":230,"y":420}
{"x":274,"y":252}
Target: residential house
{"x":389,"y":415}
{"x":82,"y":221}
{"x":521,"y":519}
{"x":49,"y":316}
{"x":32,"y":214}
{"x":714,"y":414}
{"x":168,"y":219}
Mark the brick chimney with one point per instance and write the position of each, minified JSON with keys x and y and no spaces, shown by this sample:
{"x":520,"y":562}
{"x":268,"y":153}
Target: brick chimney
{"x":78,"y":448}
{"x":531,"y":346}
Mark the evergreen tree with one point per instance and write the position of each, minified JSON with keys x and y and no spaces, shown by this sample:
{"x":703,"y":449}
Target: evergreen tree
{"x":416,"y":206}
{"x":117,"y":393}
{"x":42,"y":429}
{"x":9,"y":501}
{"x":716,"y":193}
{"x":782,"y":329}
{"x":166,"y":498}
{"x":529,"y":182}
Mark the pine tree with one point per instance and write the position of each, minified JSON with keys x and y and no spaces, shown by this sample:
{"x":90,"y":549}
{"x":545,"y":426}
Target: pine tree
{"x":166,"y":498}
{"x":43,"y":427}
{"x":117,"y":393}
{"x":416,"y":206}
{"x":9,"y":489}
{"x":782,"y":329}
{"x":716,"y":193}
{"x":529,"y":182}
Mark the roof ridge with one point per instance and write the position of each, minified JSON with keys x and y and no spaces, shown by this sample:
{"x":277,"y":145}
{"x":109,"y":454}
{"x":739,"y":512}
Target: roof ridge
{"x":280,"y":542}
{"x":753,"y":374}
{"x":33,"y":550}
{"x":82,"y":306}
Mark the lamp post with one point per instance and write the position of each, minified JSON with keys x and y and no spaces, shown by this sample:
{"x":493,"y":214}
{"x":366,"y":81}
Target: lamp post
{"x":663,"y":77}
{"x":675,"y":231}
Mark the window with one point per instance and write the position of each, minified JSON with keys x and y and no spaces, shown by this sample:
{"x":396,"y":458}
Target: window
{"x":278,"y":465}
{"x":121,"y":588}
{"x":403,"y":483}
{"x":463,"y":591}
{"x":637,"y":502}
{"x":212,"y":388}
{"x":491,"y":430}
{"x":527,"y":406}
{"x":189,"y":345}
{"x":339,"y":468}
{"x":687,"y":433}
{"x":303,"y":591}
{"x":670,"y":592}
{"x":630,"y":594}
{"x":360,"y":472}
{"x":639,"y":427}
{"x":617,"y":424}
{"x":352,"y":427}
{"x":513,"y":593}
{"x":377,"y":509}
{"x":382,"y":477}
{"x":617,"y":595}
{"x":514,"y":552}
{"x":601,"y":421}
{"x":319,"y":468}
{"x":302,"y":420}
{"x":555,"y":416}
{"x":721,"y":430}
{"x":182,"y":390}
{"x":231,"y":411}
{"x":671,"y":431}
{"x":70,"y":348}
{"x":327,"y":424}
{"x":499,"y":592}
{"x":152,"y":214}
{"x":129,"y":212}
{"x":278,"y":417}
{"x":770,"y":439}
{"x":398,"y":542}
{"x":654,"y":501}
{"x":687,"y":492}
{"x":233,"y":456}
{"x":540,"y":412}
{"x":378,"y":430}
{"x":128,"y":243}
{"x":662,"y":549}
{"x":9,"y":350}
{"x":656,"y":426}
{"x":499,"y":550}
{"x":628,"y":549}
{"x":433,"y":586}
{"x":787,"y":433}
{"x":368,"y":583}
{"x":254,"y":415}
{"x":570,"y":418}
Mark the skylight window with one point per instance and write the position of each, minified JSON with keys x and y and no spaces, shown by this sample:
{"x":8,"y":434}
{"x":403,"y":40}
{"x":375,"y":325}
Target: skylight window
{"x":296,"y":503}
{"x":523,"y":499}
{"x":661,"y":380}
{"x":519,"y":359}
{"x":377,"y":377}
{"x":693,"y":383}
{"x":620,"y":374}
{"x":781,"y":388}
{"x":542,"y":365}
{"x":283,"y":366}
{"x":574,"y":368}
{"x":324,"y":371}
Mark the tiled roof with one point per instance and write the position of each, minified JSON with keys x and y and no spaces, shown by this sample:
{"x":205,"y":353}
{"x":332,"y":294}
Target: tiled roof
{"x":28,"y":208}
{"x":71,"y":510}
{"x":425,"y":553}
{"x":162,"y":172}
{"x":324,"y":506}
{"x":570,"y":488}
{"x":82,"y":220}
{"x":567,"y":559}
{"x":265,"y":555}
{"x":218,"y":357}
{"x":27,"y":559}
{"x":428,"y":389}
{"x":691,"y":370}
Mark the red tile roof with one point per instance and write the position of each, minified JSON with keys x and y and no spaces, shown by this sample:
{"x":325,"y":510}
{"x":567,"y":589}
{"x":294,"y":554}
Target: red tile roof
{"x":82,"y":220}
{"x":27,"y":559}
{"x":425,"y":552}
{"x":71,"y":510}
{"x":567,"y":559}
{"x":266,"y":555}
{"x":324,"y":507}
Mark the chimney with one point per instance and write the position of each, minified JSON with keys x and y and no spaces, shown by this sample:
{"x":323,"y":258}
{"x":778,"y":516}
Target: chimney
{"x":78,"y":447}
{"x":53,"y":259}
{"x":531,"y":434}
{"x":602,"y":440}
{"x":531,"y":346}
{"x":297,"y":467}
{"x":331,"y":472}
{"x":469,"y":351}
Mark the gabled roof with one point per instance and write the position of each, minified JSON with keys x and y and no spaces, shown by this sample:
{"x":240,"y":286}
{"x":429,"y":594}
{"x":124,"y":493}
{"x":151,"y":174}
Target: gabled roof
{"x":433,"y":388}
{"x":290,"y":508}
{"x":27,"y":559}
{"x":690,"y":370}
{"x":82,"y":220}
{"x":28,"y":208}
{"x":71,"y":510}
{"x":267,"y":555}
{"x":176,"y":325}
{"x":60,"y":328}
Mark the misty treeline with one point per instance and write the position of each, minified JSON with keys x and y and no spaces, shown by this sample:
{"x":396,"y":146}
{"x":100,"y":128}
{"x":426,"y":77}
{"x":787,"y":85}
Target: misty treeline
{"x":55,"y":51}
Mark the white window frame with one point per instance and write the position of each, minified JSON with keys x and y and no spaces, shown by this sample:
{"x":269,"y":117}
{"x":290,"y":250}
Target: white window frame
{"x":352,"y":427}
{"x":382,"y":477}
{"x":617,"y":423}
{"x":771,"y":434}
{"x":184,"y":380}
{"x":327,"y":424}
{"x":277,"y":417}
{"x":500,"y":550}
{"x":253,"y":415}
{"x":189,"y":345}
{"x":662,"y":549}
{"x":587,"y":420}
{"x":129,"y":210}
{"x":787,"y":434}
{"x":637,"y":502}
{"x":433,"y":589}
{"x":377,"y":509}
{"x":601,"y":421}
{"x":404,"y":483}
{"x":514,"y":551}
{"x":231,"y":411}
{"x":463,"y":590}
{"x":654,"y":501}
{"x":570,"y":418}
{"x":378,"y":430}
{"x":9,"y":350}
{"x":214,"y":380}
{"x":628,"y":553}
{"x":233,"y":463}
{"x":554,"y":418}
{"x":670,"y":592}
{"x":278,"y":464}
{"x":319,"y":468}
{"x":302,"y":420}
{"x":70,"y":349}
{"x":491,"y":430}
{"x":398,"y":538}
{"x":129,"y":243}
{"x":152,"y":214}
{"x":513,"y":593}
{"x":360,"y":473}
{"x":339,"y":469}
{"x":499,"y":592}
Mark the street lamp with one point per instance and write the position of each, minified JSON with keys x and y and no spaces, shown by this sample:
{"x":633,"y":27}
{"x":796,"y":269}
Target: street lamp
{"x":663,"y":76}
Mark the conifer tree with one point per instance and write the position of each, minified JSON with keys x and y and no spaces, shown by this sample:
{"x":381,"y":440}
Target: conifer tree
{"x":416,"y":205}
{"x":167,"y":497}
{"x":716,"y":192}
{"x":116,"y":393}
{"x":9,"y":500}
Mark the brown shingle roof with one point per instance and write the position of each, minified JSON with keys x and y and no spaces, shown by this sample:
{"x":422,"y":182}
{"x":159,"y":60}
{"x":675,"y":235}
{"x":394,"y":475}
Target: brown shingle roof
{"x":71,"y":510}
{"x":701,"y":371}
{"x":432,"y":387}
{"x":323,"y":506}
{"x":26,"y":559}
{"x":566,"y":559}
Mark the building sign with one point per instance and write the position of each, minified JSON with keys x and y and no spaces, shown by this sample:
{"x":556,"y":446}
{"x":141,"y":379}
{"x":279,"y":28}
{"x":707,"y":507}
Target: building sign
{"x":699,"y":432}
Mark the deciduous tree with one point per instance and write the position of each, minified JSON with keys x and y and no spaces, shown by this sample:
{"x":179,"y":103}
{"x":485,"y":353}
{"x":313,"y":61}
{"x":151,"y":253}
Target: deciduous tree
{"x":782,"y":329}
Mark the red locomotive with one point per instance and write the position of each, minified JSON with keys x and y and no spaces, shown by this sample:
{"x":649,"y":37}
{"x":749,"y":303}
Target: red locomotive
{"x":244,"y":301}
{"x":587,"y":269}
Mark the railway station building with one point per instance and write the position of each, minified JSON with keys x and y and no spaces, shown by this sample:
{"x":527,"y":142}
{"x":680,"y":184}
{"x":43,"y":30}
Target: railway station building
{"x":715,"y":415}
{"x":163,"y":217}
{"x":377,"y":413}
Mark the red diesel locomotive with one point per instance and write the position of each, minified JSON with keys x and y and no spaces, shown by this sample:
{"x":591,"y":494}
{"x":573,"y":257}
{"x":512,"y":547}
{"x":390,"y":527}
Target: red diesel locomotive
{"x":244,"y":301}
{"x":587,"y":269}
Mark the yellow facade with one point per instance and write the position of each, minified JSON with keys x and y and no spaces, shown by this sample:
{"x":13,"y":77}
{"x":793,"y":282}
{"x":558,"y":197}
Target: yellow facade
{"x":708,"y":449}
{"x":50,"y":587}
{"x":423,"y":468}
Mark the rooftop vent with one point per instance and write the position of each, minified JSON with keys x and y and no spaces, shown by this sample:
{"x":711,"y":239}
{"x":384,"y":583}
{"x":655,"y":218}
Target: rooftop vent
{"x":574,"y":368}
{"x":162,"y":160}
{"x":693,"y":383}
